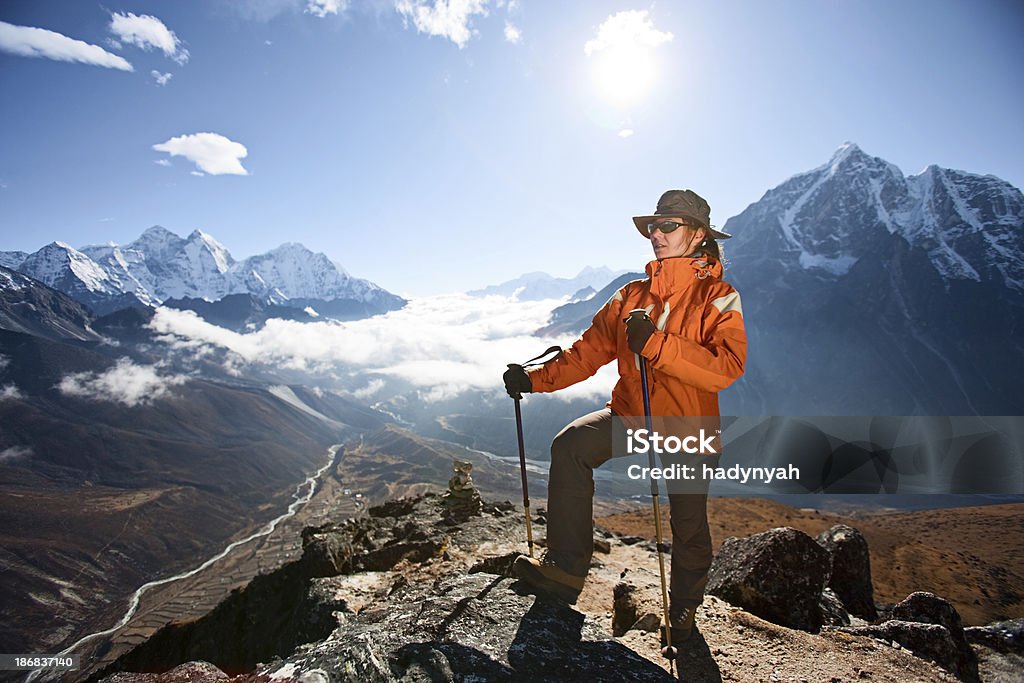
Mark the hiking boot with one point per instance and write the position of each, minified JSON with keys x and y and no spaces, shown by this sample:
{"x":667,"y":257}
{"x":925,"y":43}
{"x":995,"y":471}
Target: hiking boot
{"x":548,"y":577}
{"x":681,"y":620}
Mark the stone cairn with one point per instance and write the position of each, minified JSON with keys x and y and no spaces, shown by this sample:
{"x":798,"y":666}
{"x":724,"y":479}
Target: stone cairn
{"x":462,"y":499}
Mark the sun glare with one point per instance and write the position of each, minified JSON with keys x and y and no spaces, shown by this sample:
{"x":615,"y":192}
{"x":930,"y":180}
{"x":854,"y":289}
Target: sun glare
{"x":623,"y":76}
{"x":623,"y":67}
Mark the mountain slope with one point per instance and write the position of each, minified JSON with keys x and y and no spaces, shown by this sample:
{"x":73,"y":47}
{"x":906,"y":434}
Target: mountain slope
{"x":29,"y":306}
{"x":866,"y":292}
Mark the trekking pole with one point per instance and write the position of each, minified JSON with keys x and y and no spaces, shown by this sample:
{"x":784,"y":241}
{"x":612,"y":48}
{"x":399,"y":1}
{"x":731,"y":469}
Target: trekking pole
{"x":522,"y":472}
{"x":522,"y":450}
{"x":668,"y":652}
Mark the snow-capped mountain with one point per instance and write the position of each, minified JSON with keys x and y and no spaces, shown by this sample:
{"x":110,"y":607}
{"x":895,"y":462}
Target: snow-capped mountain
{"x":292,"y":271}
{"x":160,"y":265}
{"x":30,"y":307}
{"x":869,"y":292}
{"x":968,"y":225}
{"x":537,"y":285}
{"x":12,"y":259}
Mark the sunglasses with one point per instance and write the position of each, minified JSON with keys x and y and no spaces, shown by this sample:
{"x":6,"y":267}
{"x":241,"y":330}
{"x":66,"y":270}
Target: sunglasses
{"x":666,"y":227}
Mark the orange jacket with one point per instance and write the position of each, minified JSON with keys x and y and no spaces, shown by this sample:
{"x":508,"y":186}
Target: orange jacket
{"x":698,"y":348}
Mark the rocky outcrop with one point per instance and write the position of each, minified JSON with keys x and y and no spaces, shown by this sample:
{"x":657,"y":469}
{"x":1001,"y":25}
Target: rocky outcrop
{"x":467,"y":627}
{"x":778,"y":575}
{"x":931,"y":628}
{"x":1000,"y":650}
{"x":850,"y":570}
{"x":406,"y":593}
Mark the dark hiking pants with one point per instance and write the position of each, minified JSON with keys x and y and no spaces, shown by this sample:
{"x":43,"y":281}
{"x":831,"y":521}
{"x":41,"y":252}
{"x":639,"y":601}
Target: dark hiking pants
{"x":584,"y":444}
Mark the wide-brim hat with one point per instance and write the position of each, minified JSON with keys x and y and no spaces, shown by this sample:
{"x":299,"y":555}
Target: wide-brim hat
{"x":681,"y":204}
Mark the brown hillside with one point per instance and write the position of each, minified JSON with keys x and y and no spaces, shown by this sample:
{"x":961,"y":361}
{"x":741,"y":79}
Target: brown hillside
{"x":974,"y":557}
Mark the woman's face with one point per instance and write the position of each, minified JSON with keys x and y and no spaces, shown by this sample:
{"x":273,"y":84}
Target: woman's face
{"x":680,"y":242}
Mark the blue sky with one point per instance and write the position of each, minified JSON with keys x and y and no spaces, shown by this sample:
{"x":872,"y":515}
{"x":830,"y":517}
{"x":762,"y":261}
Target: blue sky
{"x":442,"y":146}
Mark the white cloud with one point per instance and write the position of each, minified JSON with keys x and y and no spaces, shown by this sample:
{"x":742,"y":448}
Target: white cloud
{"x":447,"y":344}
{"x":447,"y":18}
{"x":321,"y":8}
{"x":198,"y":174}
{"x":512,"y":33}
{"x":212,"y":153}
{"x":14,"y":453}
{"x":162,"y":162}
{"x":147,"y":32}
{"x":125,"y":383}
{"x":4,"y":361}
{"x":628,"y":29}
{"x":161,"y":79}
{"x":27,"y":41}
{"x":371,"y":388}
{"x":10,"y":392}
{"x":626,"y":133}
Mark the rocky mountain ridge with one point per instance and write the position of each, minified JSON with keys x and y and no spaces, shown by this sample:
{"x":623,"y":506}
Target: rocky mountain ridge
{"x":160,"y":265}
{"x":415,"y":592}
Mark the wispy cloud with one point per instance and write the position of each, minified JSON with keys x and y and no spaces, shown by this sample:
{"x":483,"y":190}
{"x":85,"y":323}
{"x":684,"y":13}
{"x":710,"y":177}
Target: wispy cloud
{"x":15,"y":453}
{"x":147,"y":32}
{"x":626,"y":133}
{"x":210,"y":152}
{"x":161,"y":79}
{"x":27,"y":41}
{"x":125,"y":383}
{"x":162,"y":162}
{"x":446,"y":18}
{"x":446,"y":344}
{"x":626,"y":30}
{"x":512,"y":33}
{"x":10,"y":392}
{"x":321,"y":8}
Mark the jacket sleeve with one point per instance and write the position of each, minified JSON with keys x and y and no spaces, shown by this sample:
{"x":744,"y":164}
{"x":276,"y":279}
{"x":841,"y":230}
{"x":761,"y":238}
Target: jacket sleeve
{"x":586,"y":356}
{"x":718,"y":359}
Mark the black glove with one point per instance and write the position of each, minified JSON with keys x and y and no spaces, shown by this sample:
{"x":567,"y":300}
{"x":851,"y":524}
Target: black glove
{"x":638,"y":331}
{"x":517,"y":381}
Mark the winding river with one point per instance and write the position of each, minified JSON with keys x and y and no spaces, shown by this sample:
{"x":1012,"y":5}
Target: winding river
{"x":303,"y":493}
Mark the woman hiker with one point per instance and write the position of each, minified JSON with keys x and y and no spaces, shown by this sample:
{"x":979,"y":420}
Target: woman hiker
{"x":694,"y":344}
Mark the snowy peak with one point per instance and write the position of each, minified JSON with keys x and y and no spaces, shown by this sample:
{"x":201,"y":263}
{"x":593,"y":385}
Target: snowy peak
{"x":159,"y":265}
{"x":538,"y":285}
{"x":12,"y":259}
{"x":63,"y":267}
{"x":827,"y":219}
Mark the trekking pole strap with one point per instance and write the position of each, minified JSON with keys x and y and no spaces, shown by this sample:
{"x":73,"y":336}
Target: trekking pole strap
{"x":551,"y":349}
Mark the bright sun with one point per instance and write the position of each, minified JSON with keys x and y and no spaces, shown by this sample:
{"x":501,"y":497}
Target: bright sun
{"x":624,"y":75}
{"x":623,"y":66}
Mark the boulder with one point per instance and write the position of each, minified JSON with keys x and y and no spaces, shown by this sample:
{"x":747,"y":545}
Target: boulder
{"x":778,"y":575}
{"x":850,"y":570}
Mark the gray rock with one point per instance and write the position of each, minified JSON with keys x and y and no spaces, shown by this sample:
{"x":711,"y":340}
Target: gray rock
{"x":469,"y":626}
{"x":778,"y":575}
{"x":833,"y":613}
{"x":1004,"y":636}
{"x":1000,"y":650}
{"x":194,"y":672}
{"x":850,"y":569}
{"x":927,"y":641}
